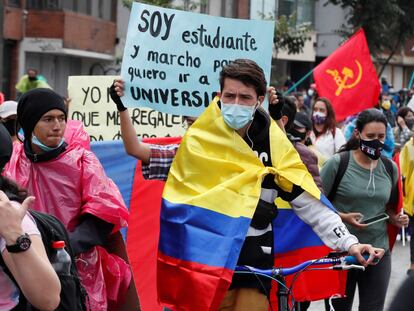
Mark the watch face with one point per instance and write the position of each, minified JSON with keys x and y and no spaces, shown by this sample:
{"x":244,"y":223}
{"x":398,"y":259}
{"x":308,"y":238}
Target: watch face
{"x":25,"y":243}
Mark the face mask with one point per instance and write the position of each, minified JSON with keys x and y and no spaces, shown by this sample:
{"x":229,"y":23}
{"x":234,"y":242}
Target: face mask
{"x":297,"y":134}
{"x":237,"y":116}
{"x":42,"y":146}
{"x":318,"y":117}
{"x":311,"y":92}
{"x":372,"y":148}
{"x":386,"y":104}
{"x":409,"y":123}
{"x":10,"y":125}
{"x":32,"y":79}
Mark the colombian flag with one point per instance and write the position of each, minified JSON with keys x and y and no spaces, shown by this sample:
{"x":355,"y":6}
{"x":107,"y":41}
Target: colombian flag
{"x":294,"y":243}
{"x":207,"y":205}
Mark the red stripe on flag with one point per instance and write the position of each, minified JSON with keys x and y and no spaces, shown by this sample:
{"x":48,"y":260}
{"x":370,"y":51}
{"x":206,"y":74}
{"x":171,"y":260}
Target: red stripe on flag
{"x":209,"y":284}
{"x":143,"y":232}
{"x":391,"y":229}
{"x":310,"y":285}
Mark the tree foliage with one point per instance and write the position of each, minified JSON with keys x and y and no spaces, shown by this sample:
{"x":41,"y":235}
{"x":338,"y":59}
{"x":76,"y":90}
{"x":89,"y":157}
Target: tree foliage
{"x":289,"y":36}
{"x":387,"y":24}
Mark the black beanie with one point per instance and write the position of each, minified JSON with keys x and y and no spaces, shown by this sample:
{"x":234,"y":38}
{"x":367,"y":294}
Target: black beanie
{"x":6,"y":146}
{"x":34,"y":104}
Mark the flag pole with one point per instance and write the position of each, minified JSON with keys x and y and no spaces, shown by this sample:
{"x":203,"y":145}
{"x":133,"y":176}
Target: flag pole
{"x":299,"y":82}
{"x":402,"y":230}
{"x":411,"y":81}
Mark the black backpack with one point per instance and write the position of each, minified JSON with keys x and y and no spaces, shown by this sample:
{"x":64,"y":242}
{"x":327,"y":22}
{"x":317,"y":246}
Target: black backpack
{"x":343,"y":164}
{"x":73,"y":295}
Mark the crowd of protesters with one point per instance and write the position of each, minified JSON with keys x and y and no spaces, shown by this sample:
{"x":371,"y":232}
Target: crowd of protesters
{"x":52,"y":160}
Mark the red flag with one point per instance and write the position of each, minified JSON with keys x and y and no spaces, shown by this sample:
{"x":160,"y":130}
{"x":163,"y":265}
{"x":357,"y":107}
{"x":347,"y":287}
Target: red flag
{"x":348,"y":78}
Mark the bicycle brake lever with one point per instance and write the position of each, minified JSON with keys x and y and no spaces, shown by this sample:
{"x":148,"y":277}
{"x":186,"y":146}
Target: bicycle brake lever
{"x":348,"y":267}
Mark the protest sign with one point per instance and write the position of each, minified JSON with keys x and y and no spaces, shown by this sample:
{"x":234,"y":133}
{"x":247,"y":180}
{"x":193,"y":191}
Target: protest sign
{"x":172,"y":59}
{"x":91,"y":104}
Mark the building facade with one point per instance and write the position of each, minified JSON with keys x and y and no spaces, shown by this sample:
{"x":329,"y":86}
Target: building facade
{"x":58,"y":38}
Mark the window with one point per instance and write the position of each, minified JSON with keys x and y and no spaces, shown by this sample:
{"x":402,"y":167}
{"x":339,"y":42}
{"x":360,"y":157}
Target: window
{"x":204,"y":6}
{"x":107,"y":10}
{"x":260,"y":9}
{"x":228,"y":8}
{"x":83,"y":6}
{"x":14,"y":3}
{"x":43,"y":4}
{"x":68,"y":5}
{"x":304,"y":10}
{"x":287,"y":7}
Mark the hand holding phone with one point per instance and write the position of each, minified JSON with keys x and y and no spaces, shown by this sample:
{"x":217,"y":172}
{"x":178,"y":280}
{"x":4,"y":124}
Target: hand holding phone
{"x":375,"y":219}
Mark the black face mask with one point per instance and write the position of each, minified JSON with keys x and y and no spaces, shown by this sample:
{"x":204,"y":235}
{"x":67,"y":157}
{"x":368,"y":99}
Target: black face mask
{"x":32,"y":79}
{"x":409,"y":123}
{"x":297,"y":134}
{"x":10,"y":125}
{"x":372,"y":148}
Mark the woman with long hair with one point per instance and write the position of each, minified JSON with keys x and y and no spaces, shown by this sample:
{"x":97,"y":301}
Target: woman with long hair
{"x":21,"y":246}
{"x":326,"y":136}
{"x":365,"y":190}
{"x":405,"y":123}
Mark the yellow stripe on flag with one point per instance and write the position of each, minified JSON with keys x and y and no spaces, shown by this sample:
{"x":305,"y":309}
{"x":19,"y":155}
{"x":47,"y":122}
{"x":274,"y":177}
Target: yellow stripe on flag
{"x":216,"y":169}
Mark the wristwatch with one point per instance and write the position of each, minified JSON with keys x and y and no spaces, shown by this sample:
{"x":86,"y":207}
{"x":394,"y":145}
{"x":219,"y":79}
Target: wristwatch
{"x":22,"y":244}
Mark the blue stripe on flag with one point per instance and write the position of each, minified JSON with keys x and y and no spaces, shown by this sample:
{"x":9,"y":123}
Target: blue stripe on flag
{"x":291,"y":233}
{"x":200,"y":235}
{"x":118,"y":165}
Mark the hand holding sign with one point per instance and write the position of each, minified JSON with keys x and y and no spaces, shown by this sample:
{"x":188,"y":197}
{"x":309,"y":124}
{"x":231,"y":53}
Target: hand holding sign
{"x":114,"y":92}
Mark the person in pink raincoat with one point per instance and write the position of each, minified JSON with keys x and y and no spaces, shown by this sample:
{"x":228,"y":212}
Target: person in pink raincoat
{"x":69,"y":182}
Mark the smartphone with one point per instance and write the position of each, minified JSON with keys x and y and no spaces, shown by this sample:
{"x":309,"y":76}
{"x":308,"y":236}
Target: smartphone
{"x":373,"y":220}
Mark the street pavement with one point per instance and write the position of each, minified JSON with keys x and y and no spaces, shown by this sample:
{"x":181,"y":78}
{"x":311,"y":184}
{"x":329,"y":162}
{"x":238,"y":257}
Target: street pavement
{"x":400,"y":263}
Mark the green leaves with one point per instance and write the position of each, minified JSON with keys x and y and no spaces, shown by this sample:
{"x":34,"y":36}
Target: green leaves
{"x":289,"y":36}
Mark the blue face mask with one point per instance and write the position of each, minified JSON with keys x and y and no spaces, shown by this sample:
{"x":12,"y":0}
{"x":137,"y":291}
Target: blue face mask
{"x":42,"y":146}
{"x":237,"y":116}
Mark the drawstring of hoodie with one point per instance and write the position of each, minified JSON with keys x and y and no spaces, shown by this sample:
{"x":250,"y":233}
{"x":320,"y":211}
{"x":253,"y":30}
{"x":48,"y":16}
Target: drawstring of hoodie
{"x":371,"y":179}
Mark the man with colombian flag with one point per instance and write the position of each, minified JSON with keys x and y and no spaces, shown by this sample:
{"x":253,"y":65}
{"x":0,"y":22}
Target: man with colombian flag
{"x":218,"y":202}
{"x":348,"y":77}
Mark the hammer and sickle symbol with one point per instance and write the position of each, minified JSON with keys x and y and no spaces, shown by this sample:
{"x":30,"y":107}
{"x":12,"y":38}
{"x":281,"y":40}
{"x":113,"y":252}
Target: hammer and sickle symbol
{"x":347,"y":73}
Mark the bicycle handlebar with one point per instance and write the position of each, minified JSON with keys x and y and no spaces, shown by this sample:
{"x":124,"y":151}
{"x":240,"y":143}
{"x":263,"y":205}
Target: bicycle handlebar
{"x":340,"y":263}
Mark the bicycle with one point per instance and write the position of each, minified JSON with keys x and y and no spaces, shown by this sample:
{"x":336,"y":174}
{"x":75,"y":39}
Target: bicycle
{"x":279,"y":274}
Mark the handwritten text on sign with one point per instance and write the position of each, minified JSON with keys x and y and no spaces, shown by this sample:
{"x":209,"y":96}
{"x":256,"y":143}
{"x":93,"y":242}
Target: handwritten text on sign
{"x":172,"y":59}
{"x":91,"y":104}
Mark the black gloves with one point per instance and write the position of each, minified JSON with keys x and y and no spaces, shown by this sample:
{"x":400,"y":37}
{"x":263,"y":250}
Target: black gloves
{"x":116,"y":99}
{"x":275,"y":111}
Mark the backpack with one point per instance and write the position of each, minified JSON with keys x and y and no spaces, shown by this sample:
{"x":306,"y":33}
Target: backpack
{"x":73,"y":294}
{"x":343,"y":165}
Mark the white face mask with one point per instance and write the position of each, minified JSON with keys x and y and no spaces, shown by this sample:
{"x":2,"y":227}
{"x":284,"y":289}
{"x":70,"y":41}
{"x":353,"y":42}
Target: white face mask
{"x":311,"y":92}
{"x":237,"y":116}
